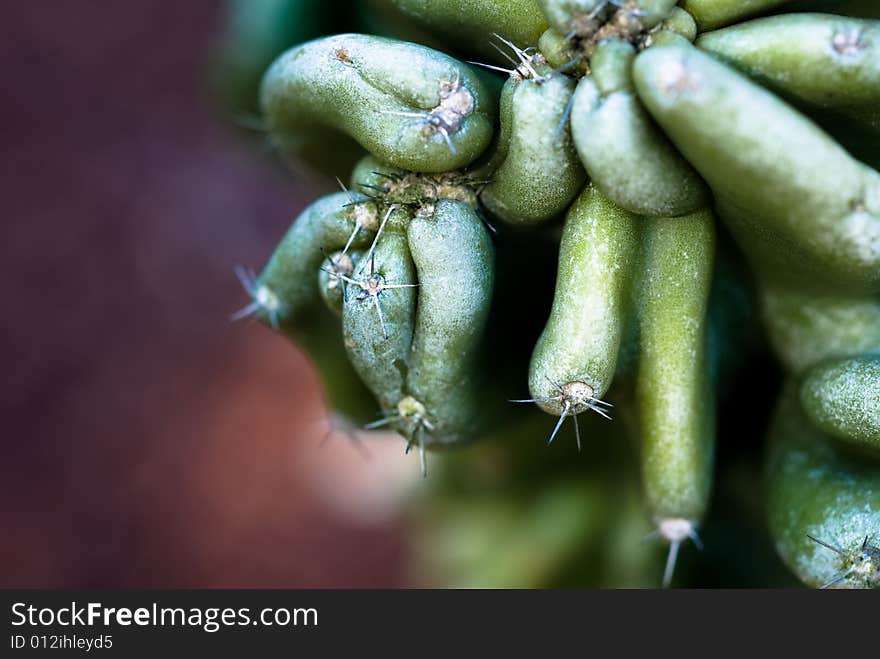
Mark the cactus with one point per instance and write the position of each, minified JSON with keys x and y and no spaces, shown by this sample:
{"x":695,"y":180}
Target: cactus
{"x":666,"y":159}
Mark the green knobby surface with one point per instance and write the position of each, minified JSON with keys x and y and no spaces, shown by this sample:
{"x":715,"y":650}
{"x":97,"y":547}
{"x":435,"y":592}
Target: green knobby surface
{"x":597,"y":259}
{"x":674,"y":399}
{"x":454,"y":257}
{"x":380,"y":357}
{"x":806,"y":328}
{"x":661,"y":126}
{"x":287,"y":283}
{"x":827,"y":61}
{"x":539,"y":171}
{"x":799,"y":205}
{"x":842,"y":398}
{"x":815,"y":488}
{"x":626,"y":156}
{"x":359,"y":85}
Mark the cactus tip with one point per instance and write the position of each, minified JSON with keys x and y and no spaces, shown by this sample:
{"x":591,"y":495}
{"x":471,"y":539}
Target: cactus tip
{"x":863,"y":563}
{"x":676,"y":530}
{"x":575,"y":397}
{"x":262,"y":298}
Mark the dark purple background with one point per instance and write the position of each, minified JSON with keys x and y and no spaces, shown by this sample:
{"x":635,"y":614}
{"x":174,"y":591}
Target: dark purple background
{"x":147,"y":441}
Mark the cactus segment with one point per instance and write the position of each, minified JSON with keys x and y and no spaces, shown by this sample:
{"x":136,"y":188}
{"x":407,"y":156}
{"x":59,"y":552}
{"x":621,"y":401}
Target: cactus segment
{"x":674,"y":399}
{"x":539,"y":173}
{"x":800,"y":206}
{"x":615,"y":137}
{"x":823,"y":503}
{"x":286,"y":286}
{"x":574,"y":360}
{"x":454,"y":258}
{"x":411,"y":106}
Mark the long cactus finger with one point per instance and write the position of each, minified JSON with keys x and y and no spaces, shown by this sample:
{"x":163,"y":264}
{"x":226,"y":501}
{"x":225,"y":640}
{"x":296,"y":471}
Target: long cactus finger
{"x":575,"y":358}
{"x":796,"y":201}
{"x":675,"y":402}
{"x":379,"y":313}
{"x":454,"y":257}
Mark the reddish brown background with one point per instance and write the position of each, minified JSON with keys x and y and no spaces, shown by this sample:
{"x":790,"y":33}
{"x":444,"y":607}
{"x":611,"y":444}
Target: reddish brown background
{"x":146,"y":441}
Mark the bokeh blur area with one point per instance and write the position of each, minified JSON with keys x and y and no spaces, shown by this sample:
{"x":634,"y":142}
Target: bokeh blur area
{"x":148,"y":441}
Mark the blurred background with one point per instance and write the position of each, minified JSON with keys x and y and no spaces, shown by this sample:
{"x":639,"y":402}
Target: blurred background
{"x":148,"y":441}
